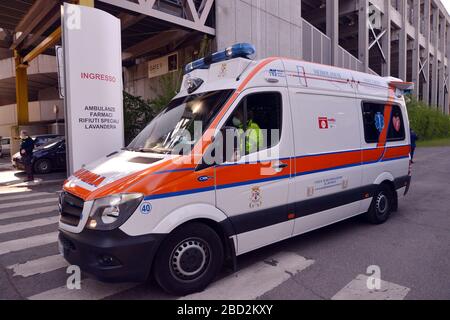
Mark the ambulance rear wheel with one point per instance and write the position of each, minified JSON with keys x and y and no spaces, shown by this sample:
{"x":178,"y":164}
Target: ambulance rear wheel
{"x":189,"y":259}
{"x":382,"y":205}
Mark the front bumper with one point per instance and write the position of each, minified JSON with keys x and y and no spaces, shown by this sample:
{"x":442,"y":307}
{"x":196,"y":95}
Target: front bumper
{"x":111,"y":256}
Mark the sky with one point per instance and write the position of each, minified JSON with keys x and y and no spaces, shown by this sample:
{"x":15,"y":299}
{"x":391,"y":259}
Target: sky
{"x":446,"y":4}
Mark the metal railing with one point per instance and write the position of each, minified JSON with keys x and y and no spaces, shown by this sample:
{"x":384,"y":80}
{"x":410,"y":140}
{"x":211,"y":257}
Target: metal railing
{"x":317,"y":48}
{"x":316,"y":45}
{"x":348,"y":61}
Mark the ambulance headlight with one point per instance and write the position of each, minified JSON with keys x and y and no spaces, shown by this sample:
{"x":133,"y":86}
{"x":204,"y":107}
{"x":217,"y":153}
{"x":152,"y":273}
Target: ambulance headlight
{"x":111,"y":212}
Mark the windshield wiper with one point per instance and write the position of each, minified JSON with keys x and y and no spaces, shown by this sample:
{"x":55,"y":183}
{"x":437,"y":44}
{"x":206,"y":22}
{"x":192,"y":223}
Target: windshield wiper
{"x":152,"y":150}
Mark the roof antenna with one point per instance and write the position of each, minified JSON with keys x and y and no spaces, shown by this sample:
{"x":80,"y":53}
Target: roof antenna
{"x":239,"y":76}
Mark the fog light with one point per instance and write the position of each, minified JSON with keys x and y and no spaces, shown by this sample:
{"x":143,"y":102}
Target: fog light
{"x":92,"y":224}
{"x":108,"y":261}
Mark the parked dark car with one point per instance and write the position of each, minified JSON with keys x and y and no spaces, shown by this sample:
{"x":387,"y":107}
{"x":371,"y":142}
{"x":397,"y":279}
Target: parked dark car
{"x":47,"y":157}
{"x":44,"y":138}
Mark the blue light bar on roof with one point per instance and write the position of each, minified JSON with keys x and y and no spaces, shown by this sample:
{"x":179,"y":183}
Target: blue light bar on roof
{"x":240,"y":50}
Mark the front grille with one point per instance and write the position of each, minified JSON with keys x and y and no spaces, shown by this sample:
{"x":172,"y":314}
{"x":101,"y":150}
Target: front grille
{"x":71,"y":209}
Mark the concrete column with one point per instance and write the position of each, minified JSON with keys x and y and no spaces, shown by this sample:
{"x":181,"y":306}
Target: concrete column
{"x":295,"y":11}
{"x":442,"y":48}
{"x":448,"y":43}
{"x":386,"y":40}
{"x":21,"y":101}
{"x":446,"y":94}
{"x":21,"y":90}
{"x":447,"y":72}
{"x":416,"y":50}
{"x":441,"y":90}
{"x":426,"y":57}
{"x":435,"y":37}
{"x":363,"y":34}
{"x":403,"y":39}
{"x":86,"y":3}
{"x":333,"y":29}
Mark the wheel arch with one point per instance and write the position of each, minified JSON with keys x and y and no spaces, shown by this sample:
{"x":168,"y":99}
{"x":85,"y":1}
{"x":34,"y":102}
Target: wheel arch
{"x":384,"y":178}
{"x":208,"y":215}
{"x":388,"y":179}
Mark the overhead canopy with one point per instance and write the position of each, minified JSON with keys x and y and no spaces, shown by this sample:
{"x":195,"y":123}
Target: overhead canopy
{"x":147,"y":27}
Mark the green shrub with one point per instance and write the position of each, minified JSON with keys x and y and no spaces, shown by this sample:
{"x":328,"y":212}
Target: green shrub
{"x":137,"y":114}
{"x":427,"y":122}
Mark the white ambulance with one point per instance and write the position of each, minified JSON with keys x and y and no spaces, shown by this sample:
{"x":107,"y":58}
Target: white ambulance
{"x":337,"y":146}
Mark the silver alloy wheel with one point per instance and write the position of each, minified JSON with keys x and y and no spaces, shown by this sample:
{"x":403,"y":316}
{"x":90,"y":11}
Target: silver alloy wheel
{"x":190,"y":259}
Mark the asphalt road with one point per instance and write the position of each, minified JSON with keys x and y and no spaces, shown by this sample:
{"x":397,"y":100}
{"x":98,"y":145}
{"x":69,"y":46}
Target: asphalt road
{"x":412,"y":252}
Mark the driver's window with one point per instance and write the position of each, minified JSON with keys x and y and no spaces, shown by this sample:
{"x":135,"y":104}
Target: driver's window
{"x":257,"y":123}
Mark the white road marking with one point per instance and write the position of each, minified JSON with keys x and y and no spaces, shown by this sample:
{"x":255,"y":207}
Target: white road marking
{"x":28,"y":224}
{"x":27,"y":195}
{"x":26,"y":243}
{"x":357,"y":290}
{"x":15,"y":190}
{"x":27,"y":212}
{"x":256,"y":280}
{"x":28,"y":203}
{"x":39,"y":266}
{"x":90,"y":290}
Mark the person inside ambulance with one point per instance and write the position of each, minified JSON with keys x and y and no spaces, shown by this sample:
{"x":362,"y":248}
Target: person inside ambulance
{"x":250,"y":133}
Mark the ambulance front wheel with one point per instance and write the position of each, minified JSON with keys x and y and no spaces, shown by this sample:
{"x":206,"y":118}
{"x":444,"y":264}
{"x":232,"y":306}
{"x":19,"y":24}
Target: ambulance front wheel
{"x":382,"y":205}
{"x":189,"y":259}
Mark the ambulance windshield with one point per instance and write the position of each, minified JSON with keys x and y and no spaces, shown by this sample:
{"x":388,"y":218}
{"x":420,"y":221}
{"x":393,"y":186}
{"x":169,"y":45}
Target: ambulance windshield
{"x":178,"y":127}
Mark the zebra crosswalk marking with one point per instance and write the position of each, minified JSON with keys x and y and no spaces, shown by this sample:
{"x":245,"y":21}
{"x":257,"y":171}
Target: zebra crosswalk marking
{"x":28,"y":224}
{"x":27,"y":243}
{"x":38,"y":266}
{"x":358,"y":289}
{"x":28,"y":212}
{"x":28,"y":203}
{"x":26,"y":195}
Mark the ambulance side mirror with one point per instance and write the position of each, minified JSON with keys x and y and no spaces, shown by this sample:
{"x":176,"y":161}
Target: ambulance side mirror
{"x":224,"y":148}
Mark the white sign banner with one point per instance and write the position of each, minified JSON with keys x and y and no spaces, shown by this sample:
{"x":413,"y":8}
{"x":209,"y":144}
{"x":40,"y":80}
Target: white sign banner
{"x":93,"y":84}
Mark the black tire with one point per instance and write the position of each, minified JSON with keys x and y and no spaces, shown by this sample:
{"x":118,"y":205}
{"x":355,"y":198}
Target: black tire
{"x":189,"y":259}
{"x":382,"y":205}
{"x":42,"y":166}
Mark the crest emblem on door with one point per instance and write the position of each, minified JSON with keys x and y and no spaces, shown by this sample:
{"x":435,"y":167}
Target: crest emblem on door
{"x":255,"y":198}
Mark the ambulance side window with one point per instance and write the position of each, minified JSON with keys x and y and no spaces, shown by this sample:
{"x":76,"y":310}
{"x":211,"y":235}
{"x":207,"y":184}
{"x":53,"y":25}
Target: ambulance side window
{"x":262,"y":114}
{"x":397,"y":126}
{"x":373,"y":119}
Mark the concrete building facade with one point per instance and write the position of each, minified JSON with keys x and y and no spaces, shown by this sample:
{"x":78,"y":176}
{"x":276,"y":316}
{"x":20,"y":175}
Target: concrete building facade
{"x":43,"y":96}
{"x":409,"y":39}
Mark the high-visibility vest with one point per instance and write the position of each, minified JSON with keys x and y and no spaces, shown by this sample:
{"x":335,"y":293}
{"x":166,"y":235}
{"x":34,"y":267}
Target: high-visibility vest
{"x":253,"y":138}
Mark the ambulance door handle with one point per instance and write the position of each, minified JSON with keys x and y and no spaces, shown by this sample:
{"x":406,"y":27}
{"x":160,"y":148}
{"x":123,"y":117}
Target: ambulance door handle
{"x":280,"y":166}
